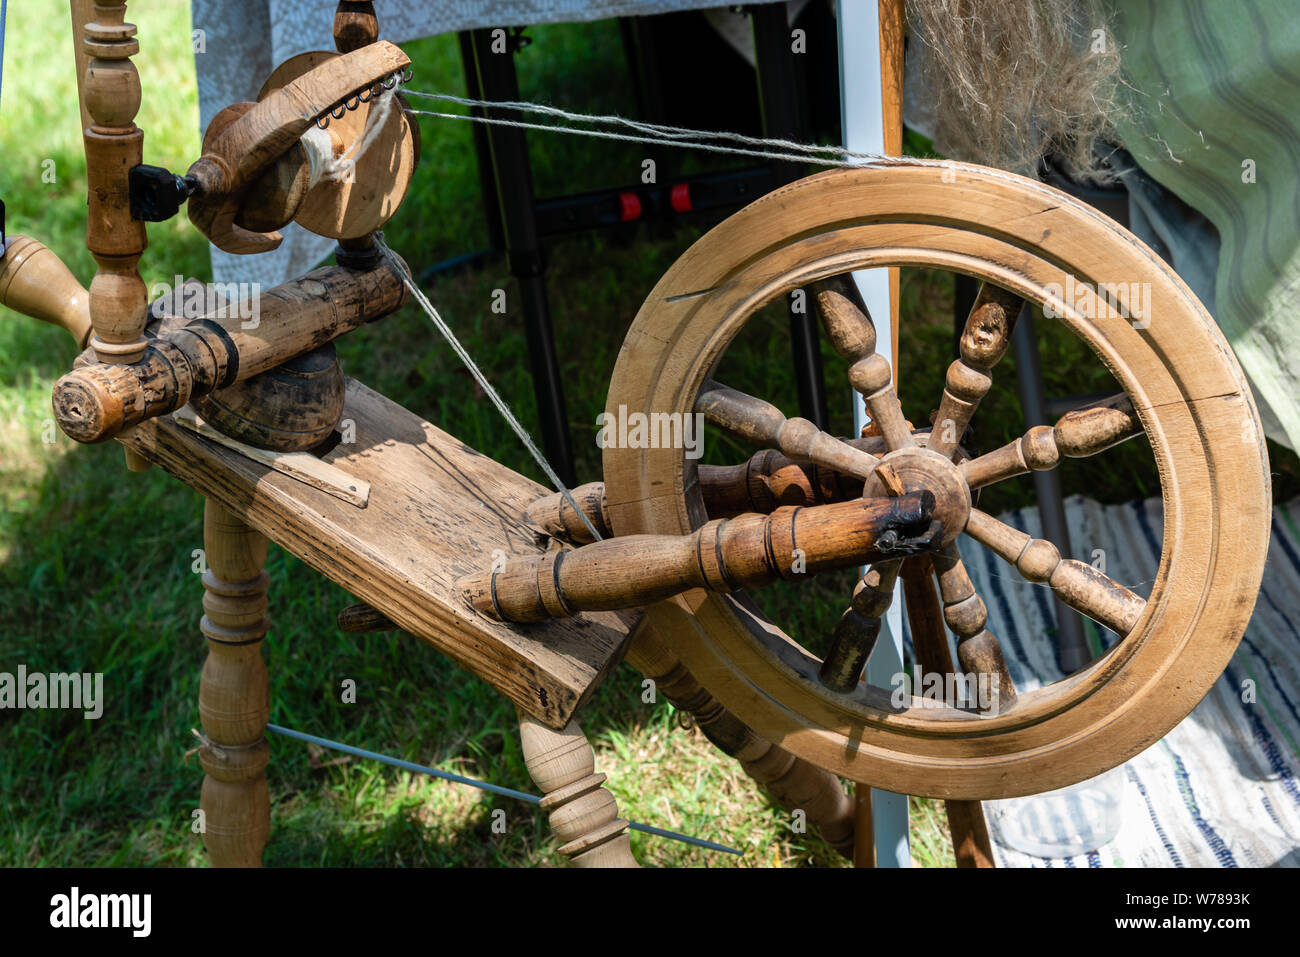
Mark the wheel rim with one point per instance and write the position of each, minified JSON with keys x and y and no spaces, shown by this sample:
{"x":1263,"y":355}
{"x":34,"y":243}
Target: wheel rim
{"x":1188,"y":390}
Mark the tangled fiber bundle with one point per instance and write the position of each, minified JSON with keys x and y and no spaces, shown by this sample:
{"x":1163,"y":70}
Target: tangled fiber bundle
{"x":1011,"y":81}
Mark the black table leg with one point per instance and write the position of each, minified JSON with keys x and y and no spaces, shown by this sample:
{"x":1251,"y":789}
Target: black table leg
{"x":514,"y":192}
{"x":778,"y":84}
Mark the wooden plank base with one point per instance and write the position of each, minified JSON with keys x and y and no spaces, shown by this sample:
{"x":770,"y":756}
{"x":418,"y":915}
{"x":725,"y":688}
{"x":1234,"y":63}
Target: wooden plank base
{"x":438,"y":510}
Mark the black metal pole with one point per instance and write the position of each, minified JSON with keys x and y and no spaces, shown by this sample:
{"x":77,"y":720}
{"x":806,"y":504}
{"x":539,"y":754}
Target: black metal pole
{"x":1072,"y":647}
{"x":514,"y":190}
{"x":778,"y":86}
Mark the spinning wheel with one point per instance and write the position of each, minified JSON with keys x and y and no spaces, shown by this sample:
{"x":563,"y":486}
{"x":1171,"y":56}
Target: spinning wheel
{"x":1182,"y":388}
{"x":404,"y":515}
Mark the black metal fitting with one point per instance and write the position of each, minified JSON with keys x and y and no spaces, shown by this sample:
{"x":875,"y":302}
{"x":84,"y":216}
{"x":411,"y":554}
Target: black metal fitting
{"x":157,"y":193}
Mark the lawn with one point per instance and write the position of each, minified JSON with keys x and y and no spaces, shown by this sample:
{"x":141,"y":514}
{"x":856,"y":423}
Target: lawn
{"x":95,"y":562}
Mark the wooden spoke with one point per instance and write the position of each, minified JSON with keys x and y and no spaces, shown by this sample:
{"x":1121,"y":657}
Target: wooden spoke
{"x":1078,"y":434}
{"x":983,"y":342}
{"x":966,"y":824}
{"x":872,"y":378}
{"x":769,"y":480}
{"x":853,"y":335}
{"x":978,"y":650}
{"x":1079,"y":585}
{"x":858,"y":627}
{"x":844,"y":317}
{"x":762,"y":423}
{"x":723,"y":555}
{"x":764,"y":483}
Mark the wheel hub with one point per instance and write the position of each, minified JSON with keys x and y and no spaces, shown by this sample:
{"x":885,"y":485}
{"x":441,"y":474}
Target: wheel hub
{"x":919,"y":468}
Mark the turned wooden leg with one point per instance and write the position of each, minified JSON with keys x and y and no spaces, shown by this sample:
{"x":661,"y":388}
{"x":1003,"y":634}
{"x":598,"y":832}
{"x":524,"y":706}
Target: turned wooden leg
{"x":234,"y":702}
{"x":582,"y":813}
{"x":792,"y":782}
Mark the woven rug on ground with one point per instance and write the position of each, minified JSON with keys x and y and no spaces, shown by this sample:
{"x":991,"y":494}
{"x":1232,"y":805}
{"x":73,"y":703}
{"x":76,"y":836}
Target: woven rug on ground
{"x":1221,"y":789}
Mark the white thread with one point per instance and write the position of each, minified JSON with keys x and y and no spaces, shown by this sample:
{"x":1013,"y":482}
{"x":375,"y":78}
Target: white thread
{"x":654,"y":129}
{"x":484,"y":384}
{"x":322,"y":164}
{"x":677,"y":136}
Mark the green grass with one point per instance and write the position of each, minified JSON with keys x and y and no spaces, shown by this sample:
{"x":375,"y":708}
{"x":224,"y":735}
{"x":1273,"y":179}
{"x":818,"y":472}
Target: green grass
{"x":95,"y":562}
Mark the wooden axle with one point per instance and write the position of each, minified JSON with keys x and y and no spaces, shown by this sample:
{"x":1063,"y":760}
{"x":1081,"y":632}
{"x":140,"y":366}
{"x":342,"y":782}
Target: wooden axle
{"x":98,"y":400}
{"x":722,"y":556}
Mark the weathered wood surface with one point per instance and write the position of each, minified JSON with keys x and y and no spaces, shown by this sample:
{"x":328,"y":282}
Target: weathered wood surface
{"x":234,"y":695}
{"x":95,"y":401}
{"x":437,"y":511}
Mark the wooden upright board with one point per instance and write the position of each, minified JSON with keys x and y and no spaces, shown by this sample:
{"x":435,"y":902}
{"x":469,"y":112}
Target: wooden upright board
{"x":438,"y":510}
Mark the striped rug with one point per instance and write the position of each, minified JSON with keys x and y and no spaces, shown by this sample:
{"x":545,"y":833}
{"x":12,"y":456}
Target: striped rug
{"x":1221,"y":789}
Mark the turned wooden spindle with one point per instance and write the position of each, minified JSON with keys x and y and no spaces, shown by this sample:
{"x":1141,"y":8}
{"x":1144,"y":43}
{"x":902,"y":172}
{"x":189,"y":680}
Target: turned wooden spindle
{"x":234,"y":701}
{"x":966,"y":823}
{"x":984,"y":340}
{"x":97,"y":401}
{"x":1078,"y":434}
{"x":762,"y":423}
{"x":977,"y":650}
{"x":859,"y":627}
{"x":556,"y":517}
{"x":792,"y":782}
{"x":722,"y":555}
{"x":114,"y":146}
{"x":360,"y":619}
{"x":35,"y":282}
{"x":583,"y":814}
{"x":874,"y":381}
{"x":355,"y":25}
{"x":853,"y":335}
{"x":1082,"y":587}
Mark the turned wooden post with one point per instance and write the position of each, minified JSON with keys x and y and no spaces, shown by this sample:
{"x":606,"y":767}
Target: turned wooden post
{"x":583,"y":814}
{"x":114,"y":146}
{"x":234,"y":701}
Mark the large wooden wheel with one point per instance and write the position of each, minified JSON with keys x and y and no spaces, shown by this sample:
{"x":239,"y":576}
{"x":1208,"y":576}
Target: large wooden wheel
{"x":1181,"y":384}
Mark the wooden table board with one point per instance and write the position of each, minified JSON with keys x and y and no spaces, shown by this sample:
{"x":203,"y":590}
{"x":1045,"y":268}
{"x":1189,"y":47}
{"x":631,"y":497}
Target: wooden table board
{"x":437,"y":511}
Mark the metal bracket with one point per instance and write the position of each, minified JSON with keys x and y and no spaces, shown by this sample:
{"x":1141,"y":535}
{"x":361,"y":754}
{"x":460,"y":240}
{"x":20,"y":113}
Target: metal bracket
{"x":157,"y":193}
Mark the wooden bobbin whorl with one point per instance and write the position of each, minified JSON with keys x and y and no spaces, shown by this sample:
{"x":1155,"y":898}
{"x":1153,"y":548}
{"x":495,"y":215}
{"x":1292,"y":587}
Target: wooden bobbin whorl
{"x":357,"y":204}
{"x":291,"y":408}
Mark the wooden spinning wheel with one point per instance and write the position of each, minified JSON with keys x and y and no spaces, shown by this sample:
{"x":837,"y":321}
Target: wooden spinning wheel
{"x":678,"y":540}
{"x":1183,"y":388}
